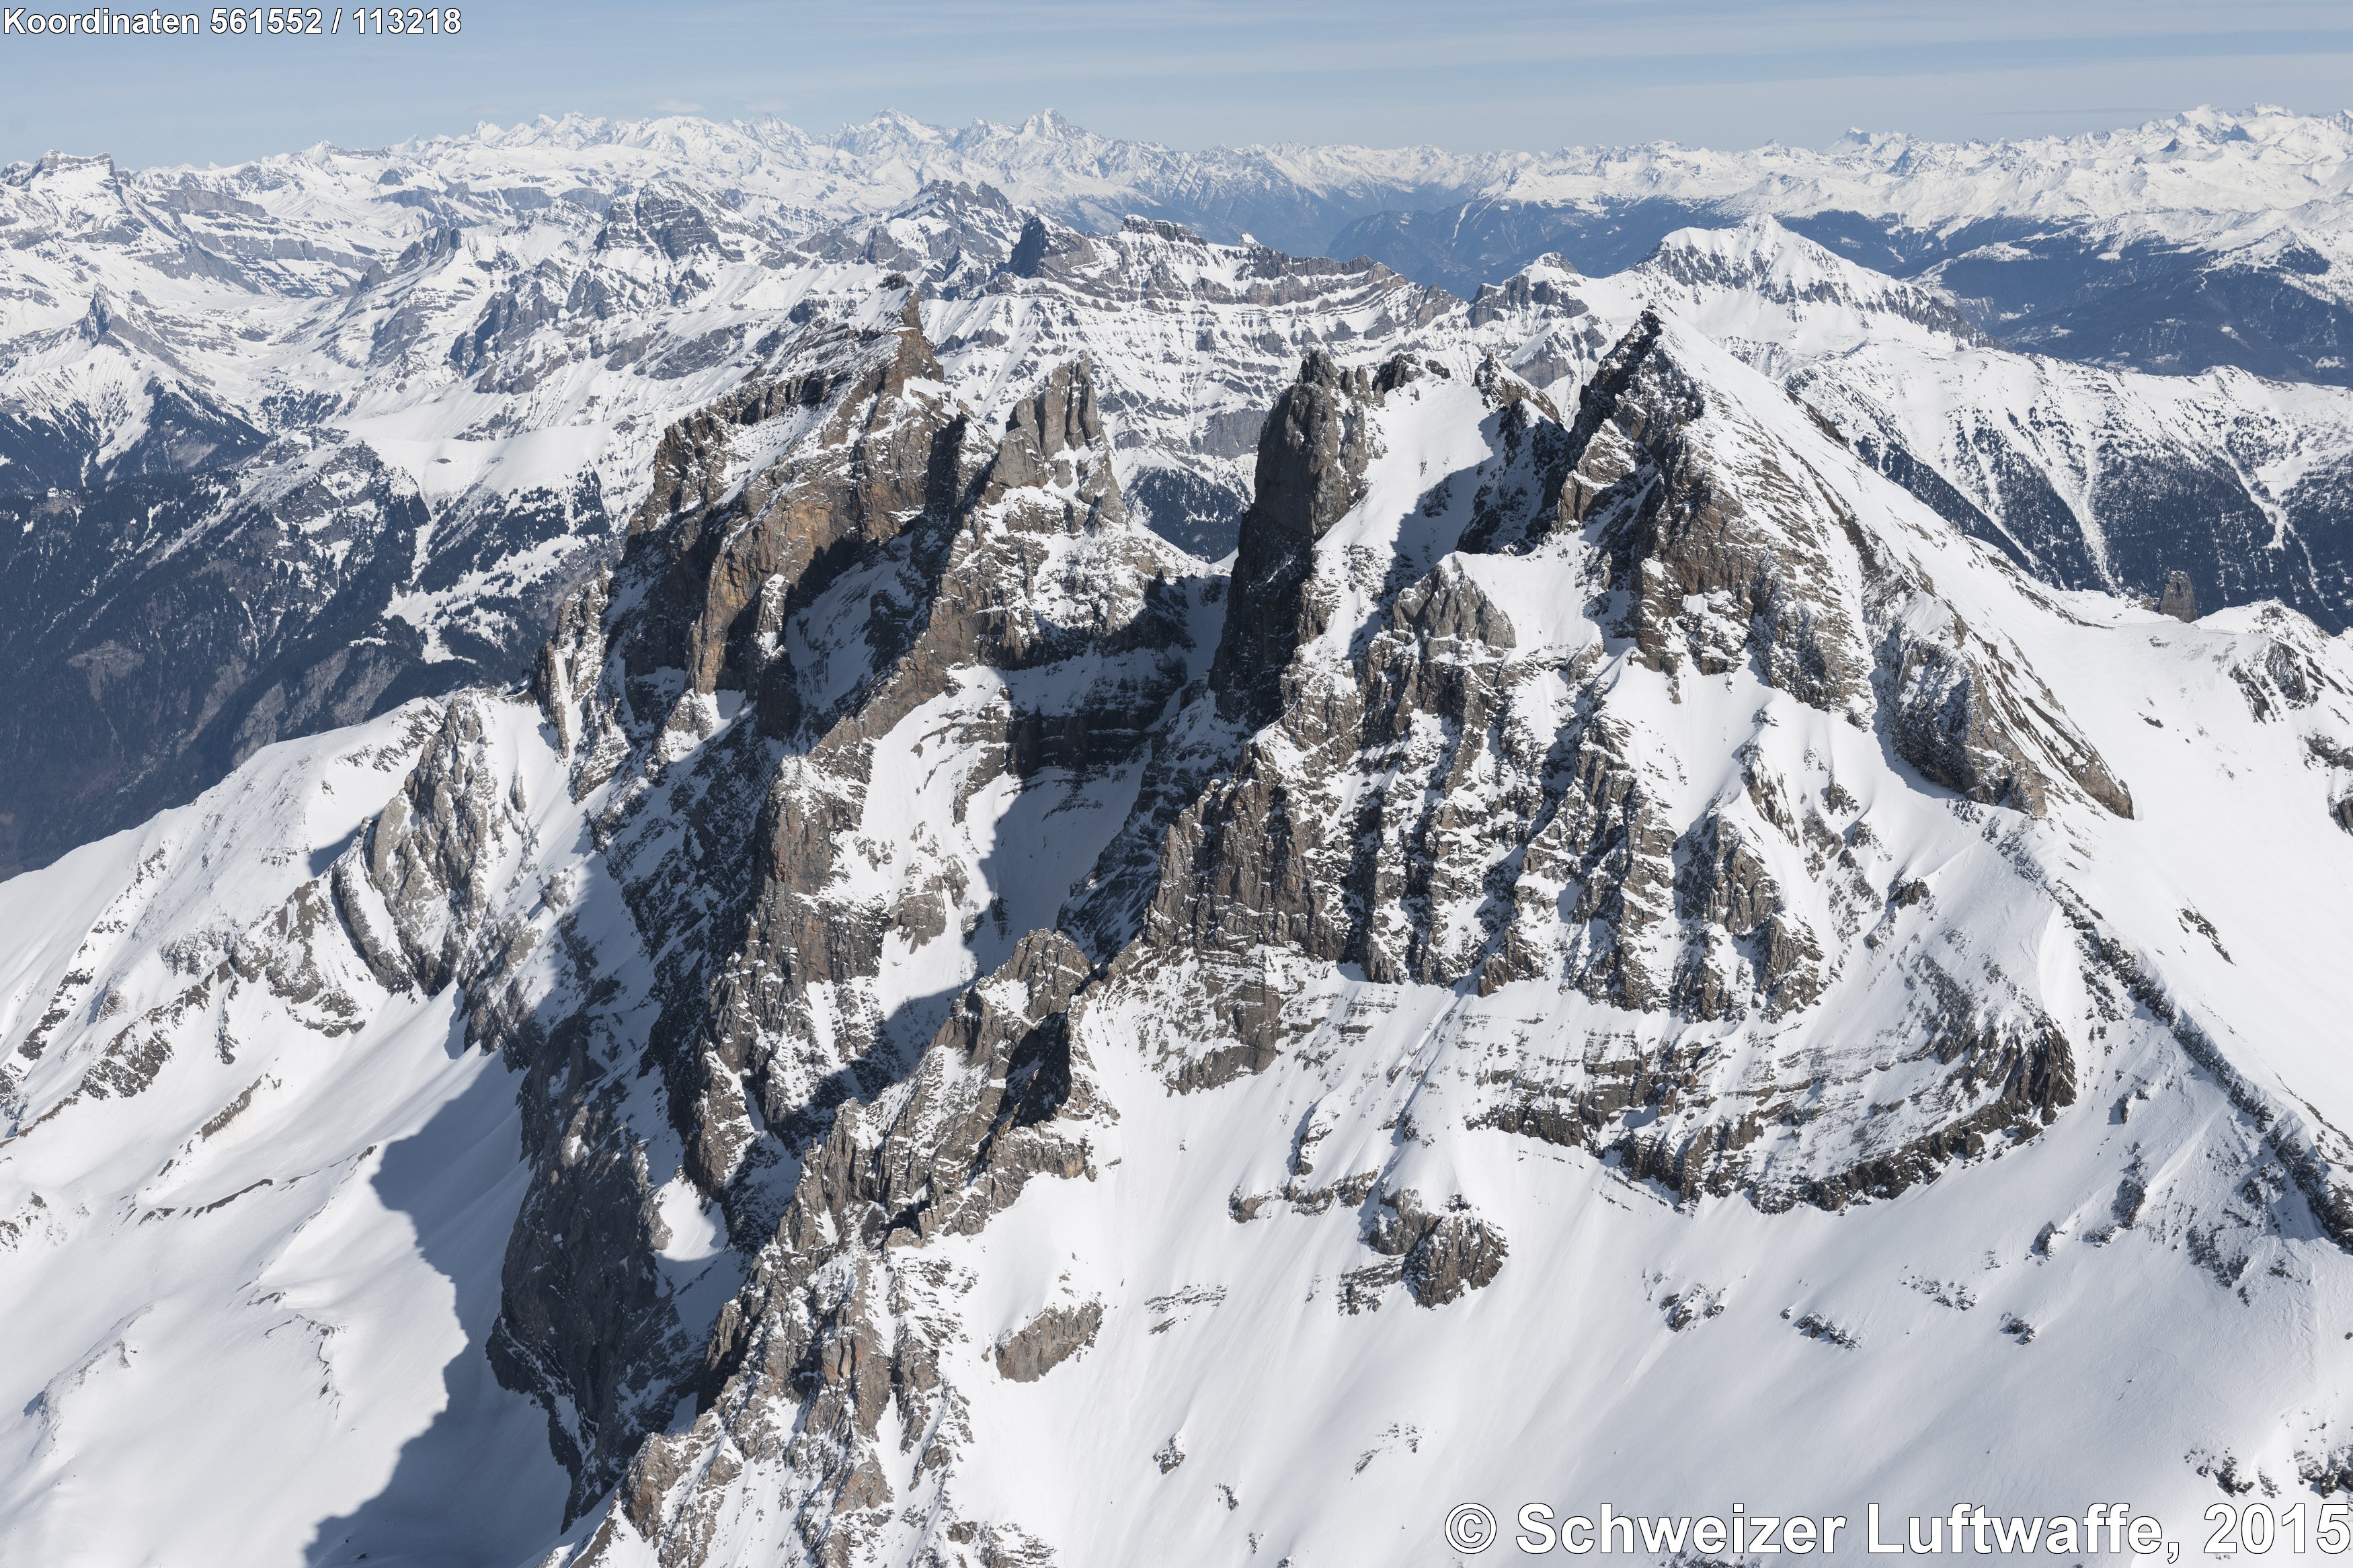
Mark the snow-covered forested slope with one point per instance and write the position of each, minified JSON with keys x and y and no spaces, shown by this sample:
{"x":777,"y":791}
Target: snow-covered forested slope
{"x":1616,"y":954}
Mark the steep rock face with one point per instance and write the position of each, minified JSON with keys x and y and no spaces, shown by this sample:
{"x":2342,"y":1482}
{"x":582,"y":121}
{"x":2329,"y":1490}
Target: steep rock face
{"x":1191,"y":341}
{"x":2087,"y":477}
{"x":836,"y":576}
{"x":426,"y":859}
{"x":1976,"y":722}
{"x":829,"y":1335}
{"x":1445,"y":795}
{"x":1311,"y":467}
{"x":2179,"y":599}
{"x":653,"y":302}
{"x":1704,"y":582}
{"x":1702,"y":579}
{"x":505,"y":324}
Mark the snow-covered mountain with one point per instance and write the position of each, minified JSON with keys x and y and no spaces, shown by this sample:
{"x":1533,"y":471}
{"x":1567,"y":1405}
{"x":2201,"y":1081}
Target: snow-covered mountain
{"x":2089,"y":478}
{"x":1615,"y":953}
{"x":294,"y":442}
{"x":2197,"y":241}
{"x":403,"y":477}
{"x":2137,"y":245}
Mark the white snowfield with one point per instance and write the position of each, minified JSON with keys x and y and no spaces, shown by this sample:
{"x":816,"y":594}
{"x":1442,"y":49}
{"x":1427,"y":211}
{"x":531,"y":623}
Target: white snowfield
{"x":253,"y":1205}
{"x":233,"y":1293}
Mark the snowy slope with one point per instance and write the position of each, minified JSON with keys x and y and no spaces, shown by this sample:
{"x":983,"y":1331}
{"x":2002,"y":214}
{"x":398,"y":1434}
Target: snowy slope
{"x":2088,"y":477}
{"x":255,"y":1226}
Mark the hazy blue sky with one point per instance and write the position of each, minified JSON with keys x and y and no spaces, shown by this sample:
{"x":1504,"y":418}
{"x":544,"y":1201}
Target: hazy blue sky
{"x":1198,"y":72}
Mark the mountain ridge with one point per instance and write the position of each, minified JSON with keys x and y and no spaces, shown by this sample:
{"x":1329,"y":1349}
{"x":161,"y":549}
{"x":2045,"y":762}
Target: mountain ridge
{"x":491,"y":396}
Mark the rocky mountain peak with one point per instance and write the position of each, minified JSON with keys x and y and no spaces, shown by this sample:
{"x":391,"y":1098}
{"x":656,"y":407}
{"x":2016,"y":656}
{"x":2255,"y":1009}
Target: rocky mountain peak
{"x":1312,"y":456}
{"x":665,"y":217}
{"x":1720,"y":539}
{"x":1055,"y":439}
{"x":1160,"y":228}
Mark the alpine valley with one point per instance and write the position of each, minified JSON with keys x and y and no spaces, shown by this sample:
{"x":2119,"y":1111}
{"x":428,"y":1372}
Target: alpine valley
{"x":725,"y":848}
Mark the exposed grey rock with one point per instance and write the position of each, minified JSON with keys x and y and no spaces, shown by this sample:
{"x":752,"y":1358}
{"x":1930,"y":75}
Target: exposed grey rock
{"x":1814,"y":1326}
{"x":1957,"y":713}
{"x":1679,"y":530}
{"x":798,"y":1372}
{"x":2179,"y":599}
{"x":1311,"y":467}
{"x":1564,"y":864}
{"x":1725,"y":883}
{"x":1444,"y":1254}
{"x":1047,"y":1341}
{"x":427,"y":857}
{"x":1411,"y":811}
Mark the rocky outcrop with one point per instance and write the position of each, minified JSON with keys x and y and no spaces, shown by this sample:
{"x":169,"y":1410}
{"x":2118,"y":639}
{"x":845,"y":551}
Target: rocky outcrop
{"x":1724,"y":885}
{"x":1647,"y":809}
{"x":1981,"y":725}
{"x":1442,"y":1255}
{"x":1046,"y":1341}
{"x":267,"y":575}
{"x":1721,"y":550}
{"x":1456,"y":802}
{"x":430,"y":856}
{"x":831,"y":1332}
{"x":1311,"y":467}
{"x":2179,"y":599}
